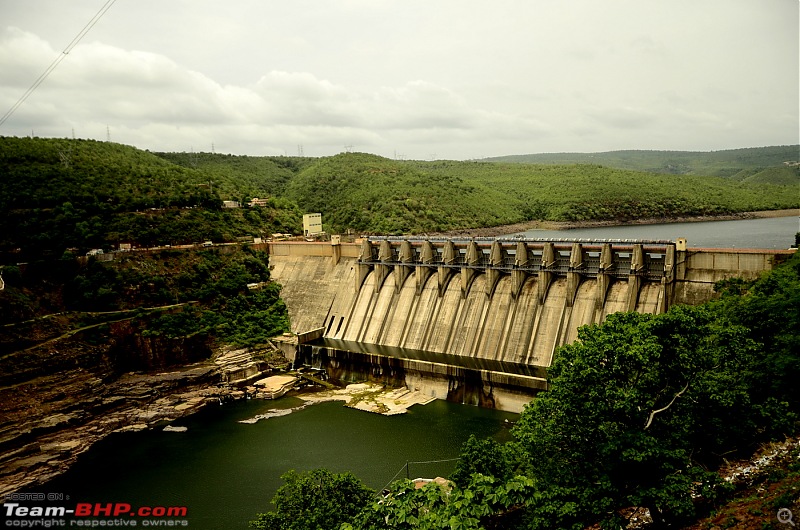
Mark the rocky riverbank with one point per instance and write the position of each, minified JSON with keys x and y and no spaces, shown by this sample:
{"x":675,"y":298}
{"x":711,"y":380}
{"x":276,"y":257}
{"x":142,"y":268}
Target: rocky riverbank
{"x":51,"y":418}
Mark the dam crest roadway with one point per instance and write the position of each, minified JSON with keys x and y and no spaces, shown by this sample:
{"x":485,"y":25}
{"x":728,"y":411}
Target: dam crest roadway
{"x":478,"y":319}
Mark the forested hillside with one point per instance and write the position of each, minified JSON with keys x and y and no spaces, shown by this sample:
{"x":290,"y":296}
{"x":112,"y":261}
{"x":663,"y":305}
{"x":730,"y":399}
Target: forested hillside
{"x":82,"y":194}
{"x":60,"y":194}
{"x":369,"y":193}
{"x":765,"y":164}
{"x":242,"y":177}
{"x":205,"y":290}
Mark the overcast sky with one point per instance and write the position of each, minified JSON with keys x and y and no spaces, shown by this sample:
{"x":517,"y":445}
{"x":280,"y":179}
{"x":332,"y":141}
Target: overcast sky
{"x":422,"y":79}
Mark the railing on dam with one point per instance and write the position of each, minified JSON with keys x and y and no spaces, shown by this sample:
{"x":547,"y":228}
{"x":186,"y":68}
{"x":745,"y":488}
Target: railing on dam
{"x":650,"y":260}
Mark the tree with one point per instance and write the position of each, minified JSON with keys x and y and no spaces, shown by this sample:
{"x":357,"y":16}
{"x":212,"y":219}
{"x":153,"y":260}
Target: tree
{"x":490,"y":458}
{"x":315,"y":500}
{"x":484,"y":503}
{"x":770,"y":309}
{"x":638,"y":409}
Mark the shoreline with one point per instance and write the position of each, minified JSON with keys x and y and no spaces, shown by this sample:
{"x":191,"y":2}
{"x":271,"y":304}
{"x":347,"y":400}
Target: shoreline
{"x":503,"y":230}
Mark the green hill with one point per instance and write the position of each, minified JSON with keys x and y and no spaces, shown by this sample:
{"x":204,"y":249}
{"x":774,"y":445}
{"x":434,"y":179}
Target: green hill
{"x":369,"y":193}
{"x":365,"y":192}
{"x":241,"y":178}
{"x":737,"y":163}
{"x":61,"y":194}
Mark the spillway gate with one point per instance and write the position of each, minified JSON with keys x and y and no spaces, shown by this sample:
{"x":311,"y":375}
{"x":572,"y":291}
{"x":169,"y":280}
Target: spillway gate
{"x":519,"y":258}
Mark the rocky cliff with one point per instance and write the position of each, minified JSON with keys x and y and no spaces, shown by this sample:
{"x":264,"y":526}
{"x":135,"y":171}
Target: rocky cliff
{"x":58,"y":399}
{"x":88,"y":348}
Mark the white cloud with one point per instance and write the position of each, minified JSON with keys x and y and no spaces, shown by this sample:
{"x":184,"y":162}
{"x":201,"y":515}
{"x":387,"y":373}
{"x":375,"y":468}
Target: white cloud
{"x":461,"y":79}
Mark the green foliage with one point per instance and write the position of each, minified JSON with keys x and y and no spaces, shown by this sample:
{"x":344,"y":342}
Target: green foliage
{"x":770,"y":309}
{"x":229,"y":310}
{"x":81,"y":194}
{"x":488,"y":457}
{"x":93,"y":289}
{"x":214,"y":284}
{"x":764,"y":164}
{"x":62,"y":194}
{"x":369,"y":193}
{"x":315,"y":500}
{"x":638,"y":407}
{"x":485,"y":502}
{"x":241,"y":178}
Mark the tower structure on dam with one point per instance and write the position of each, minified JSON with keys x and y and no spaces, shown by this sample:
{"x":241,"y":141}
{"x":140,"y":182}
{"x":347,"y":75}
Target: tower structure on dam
{"x":510,"y":300}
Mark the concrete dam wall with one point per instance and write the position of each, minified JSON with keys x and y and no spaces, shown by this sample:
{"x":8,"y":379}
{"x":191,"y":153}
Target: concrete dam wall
{"x":511,"y":301}
{"x":478,"y":320}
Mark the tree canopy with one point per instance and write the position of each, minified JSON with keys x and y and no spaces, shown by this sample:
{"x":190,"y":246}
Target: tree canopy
{"x":315,"y":500}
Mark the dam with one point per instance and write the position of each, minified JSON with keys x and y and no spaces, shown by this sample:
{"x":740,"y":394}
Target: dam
{"x":478,"y":320}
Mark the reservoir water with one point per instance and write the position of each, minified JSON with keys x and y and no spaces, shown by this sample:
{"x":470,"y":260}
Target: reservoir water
{"x":225,"y":471}
{"x":770,"y":233}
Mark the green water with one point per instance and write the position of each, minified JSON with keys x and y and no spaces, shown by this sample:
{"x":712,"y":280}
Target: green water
{"x":226,"y":471}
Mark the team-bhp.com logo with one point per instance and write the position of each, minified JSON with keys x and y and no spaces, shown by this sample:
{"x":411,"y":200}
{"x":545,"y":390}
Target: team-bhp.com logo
{"x":85,"y":514}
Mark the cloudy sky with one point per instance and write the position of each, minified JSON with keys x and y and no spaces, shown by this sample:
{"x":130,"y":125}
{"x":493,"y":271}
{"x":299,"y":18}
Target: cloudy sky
{"x":420,"y":79}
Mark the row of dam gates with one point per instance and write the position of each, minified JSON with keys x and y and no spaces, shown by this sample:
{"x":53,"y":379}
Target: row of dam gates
{"x":478,"y":320}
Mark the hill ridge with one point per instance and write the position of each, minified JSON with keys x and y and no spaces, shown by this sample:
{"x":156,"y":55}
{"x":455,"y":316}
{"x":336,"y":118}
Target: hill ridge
{"x":738,"y":164}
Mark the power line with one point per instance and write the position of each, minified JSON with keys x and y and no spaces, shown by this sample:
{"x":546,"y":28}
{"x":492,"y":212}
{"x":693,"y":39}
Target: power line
{"x":407,"y":469}
{"x":82,"y":33}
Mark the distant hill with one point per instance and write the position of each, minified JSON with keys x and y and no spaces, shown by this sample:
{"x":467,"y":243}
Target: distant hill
{"x":60,"y":194}
{"x":765,"y":164}
{"x":369,"y":193}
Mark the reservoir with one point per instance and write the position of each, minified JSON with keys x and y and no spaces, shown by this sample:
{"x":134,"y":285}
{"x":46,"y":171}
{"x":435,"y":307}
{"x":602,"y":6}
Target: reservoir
{"x":225,"y":471}
{"x":770,"y":233}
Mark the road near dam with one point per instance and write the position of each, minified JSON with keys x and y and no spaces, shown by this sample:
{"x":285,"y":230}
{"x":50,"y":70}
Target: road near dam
{"x":478,"y":320}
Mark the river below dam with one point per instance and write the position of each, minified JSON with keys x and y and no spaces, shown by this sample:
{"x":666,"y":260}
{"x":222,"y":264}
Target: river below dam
{"x":225,"y":471}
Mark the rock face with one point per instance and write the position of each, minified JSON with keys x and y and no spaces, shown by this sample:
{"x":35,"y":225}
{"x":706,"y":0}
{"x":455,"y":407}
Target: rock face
{"x":58,"y":399}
